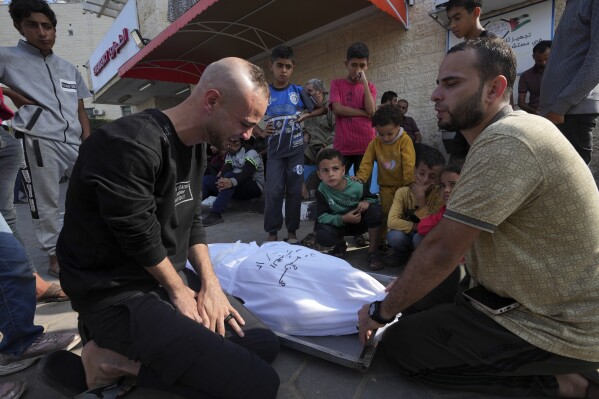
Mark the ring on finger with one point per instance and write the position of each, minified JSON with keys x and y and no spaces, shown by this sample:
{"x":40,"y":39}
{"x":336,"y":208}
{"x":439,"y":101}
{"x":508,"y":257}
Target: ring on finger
{"x":229,"y":317}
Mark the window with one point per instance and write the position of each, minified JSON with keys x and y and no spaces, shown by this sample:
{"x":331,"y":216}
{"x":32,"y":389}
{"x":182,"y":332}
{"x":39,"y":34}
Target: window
{"x":125,"y":110}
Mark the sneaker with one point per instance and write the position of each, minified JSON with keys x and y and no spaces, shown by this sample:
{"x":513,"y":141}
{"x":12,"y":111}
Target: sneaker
{"x":15,"y":367}
{"x":309,"y":241}
{"x":361,"y":240}
{"x":339,"y":250}
{"x":212,"y":219}
{"x":44,"y":344}
{"x":374,"y":261}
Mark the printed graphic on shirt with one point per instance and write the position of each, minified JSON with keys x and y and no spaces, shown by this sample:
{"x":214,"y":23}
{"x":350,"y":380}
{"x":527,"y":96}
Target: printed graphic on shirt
{"x":68,"y":85}
{"x":349,"y":201}
{"x":294,"y":98}
{"x":389,"y":165}
{"x":183,"y":192}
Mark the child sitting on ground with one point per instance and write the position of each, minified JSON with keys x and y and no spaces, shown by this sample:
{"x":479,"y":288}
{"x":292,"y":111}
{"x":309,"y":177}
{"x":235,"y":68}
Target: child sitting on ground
{"x":410,"y":204}
{"x":393,"y":150}
{"x":344,"y":207}
{"x":449,"y":178}
{"x":242,"y":177}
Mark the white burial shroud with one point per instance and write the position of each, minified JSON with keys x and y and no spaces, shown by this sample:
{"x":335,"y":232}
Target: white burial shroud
{"x":293,"y":289}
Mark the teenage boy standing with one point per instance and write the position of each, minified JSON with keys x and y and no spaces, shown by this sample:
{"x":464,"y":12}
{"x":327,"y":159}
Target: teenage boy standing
{"x":51,"y":119}
{"x":352,"y":101}
{"x":286,"y":146}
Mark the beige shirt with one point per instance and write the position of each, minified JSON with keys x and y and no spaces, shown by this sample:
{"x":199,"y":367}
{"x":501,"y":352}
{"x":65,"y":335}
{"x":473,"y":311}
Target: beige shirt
{"x":537,"y":205}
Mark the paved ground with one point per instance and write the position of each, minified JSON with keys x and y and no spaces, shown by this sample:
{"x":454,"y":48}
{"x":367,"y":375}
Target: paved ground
{"x":302,"y":375}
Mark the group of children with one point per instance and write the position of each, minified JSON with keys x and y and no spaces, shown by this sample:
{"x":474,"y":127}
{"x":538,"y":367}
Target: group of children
{"x":408,"y":173}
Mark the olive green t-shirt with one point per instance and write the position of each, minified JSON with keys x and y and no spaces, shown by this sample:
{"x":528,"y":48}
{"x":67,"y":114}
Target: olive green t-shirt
{"x":537,"y":206}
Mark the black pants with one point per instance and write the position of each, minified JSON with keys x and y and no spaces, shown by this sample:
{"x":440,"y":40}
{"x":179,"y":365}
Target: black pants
{"x":444,"y":341}
{"x":180,"y":355}
{"x":356,"y":161}
{"x":328,"y":235}
{"x":578,"y":129}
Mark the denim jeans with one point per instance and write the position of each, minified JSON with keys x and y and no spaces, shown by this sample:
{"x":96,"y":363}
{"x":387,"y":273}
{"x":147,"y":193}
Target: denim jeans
{"x":245,"y":191}
{"x":403,"y":244}
{"x":17,"y":295}
{"x":11,"y":157}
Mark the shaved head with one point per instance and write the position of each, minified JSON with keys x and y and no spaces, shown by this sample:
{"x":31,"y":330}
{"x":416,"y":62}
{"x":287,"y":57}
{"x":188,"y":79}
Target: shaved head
{"x":229,"y":100}
{"x":233,"y":75}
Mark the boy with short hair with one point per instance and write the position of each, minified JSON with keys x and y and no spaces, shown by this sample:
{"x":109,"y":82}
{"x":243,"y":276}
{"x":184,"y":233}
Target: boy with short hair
{"x":352,"y":101}
{"x":285,"y":154}
{"x":344,"y":207}
{"x":412,"y":203}
{"x":464,"y":18}
{"x":394,"y":153}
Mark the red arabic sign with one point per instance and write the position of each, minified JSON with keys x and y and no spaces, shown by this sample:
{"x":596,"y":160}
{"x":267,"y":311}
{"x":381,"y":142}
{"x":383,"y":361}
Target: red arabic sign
{"x":112,"y":52}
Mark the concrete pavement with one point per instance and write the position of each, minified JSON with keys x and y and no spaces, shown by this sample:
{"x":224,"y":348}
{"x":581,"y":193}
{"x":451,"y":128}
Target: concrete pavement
{"x":302,"y":376}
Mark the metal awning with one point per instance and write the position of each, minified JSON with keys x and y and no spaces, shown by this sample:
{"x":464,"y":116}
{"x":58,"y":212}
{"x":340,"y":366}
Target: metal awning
{"x":213,"y":29}
{"x":398,"y":9}
{"x":108,"y":8}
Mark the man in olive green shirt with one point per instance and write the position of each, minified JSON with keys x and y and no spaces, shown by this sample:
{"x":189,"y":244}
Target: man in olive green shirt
{"x":526,"y":214}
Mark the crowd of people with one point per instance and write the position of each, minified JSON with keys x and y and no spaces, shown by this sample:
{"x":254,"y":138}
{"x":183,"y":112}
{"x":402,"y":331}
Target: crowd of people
{"x":513,"y":212}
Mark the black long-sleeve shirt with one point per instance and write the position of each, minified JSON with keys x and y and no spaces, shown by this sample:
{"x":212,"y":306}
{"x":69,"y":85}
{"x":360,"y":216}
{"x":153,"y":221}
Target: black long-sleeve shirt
{"x":133,"y":199}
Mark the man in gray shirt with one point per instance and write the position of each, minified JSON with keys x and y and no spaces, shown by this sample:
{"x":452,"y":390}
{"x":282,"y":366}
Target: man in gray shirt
{"x":51,"y":119}
{"x":570,"y":86}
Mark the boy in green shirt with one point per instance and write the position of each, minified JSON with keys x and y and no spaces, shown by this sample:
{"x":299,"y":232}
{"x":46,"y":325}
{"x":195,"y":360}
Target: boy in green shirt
{"x":343,"y":208}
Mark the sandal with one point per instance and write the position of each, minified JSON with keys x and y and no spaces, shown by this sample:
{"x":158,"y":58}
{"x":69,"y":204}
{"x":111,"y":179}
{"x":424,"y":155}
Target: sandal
{"x":53,"y":294}
{"x":339,"y":250}
{"x":374,"y":261}
{"x":292,"y":241}
{"x":361,"y":241}
{"x":309,"y":241}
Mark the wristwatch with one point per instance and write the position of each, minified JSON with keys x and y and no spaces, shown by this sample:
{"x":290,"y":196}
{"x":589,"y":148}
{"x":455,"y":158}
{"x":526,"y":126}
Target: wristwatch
{"x":375,"y":313}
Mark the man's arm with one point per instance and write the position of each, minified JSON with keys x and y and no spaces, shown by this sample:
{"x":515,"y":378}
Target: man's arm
{"x":432,"y":262}
{"x":84,"y":120}
{"x":417,"y":137}
{"x":318,"y":110}
{"x":180,"y":295}
{"x":523,"y":106}
{"x":586,"y":77}
{"x":17,"y":98}
{"x":213,"y":306}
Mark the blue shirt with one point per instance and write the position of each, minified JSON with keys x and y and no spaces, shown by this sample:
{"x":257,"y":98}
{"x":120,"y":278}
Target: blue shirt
{"x":284,"y":107}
